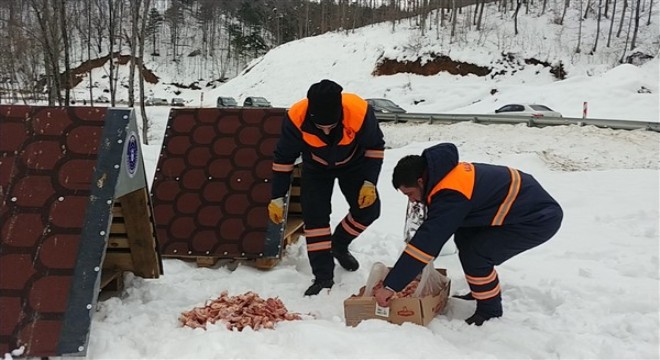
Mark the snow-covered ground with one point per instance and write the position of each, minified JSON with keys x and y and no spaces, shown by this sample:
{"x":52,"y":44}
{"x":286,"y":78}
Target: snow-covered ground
{"x":590,"y":292}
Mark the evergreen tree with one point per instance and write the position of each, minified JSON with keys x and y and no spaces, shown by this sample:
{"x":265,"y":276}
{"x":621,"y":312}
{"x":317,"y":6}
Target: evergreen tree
{"x":152,"y":28}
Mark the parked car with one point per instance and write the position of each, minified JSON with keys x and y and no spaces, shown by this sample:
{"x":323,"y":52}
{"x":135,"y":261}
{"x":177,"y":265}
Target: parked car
{"x":102,"y":99}
{"x":226,"y":101}
{"x":256,"y":101}
{"x":178,"y":102}
{"x":155,"y":101}
{"x":534,"y":110}
{"x":385,"y":106}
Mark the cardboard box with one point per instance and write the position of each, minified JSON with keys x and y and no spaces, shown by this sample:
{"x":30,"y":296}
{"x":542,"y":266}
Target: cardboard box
{"x":415,"y":310}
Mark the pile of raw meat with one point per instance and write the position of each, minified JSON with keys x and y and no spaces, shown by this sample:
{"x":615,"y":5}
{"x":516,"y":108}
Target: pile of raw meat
{"x":240,"y":311}
{"x":408,"y":291}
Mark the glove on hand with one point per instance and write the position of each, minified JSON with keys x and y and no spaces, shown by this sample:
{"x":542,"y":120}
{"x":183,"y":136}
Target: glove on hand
{"x":276,"y":210}
{"x":367,"y":195}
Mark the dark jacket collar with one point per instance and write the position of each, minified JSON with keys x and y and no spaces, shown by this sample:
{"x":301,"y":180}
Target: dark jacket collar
{"x":440,"y":160}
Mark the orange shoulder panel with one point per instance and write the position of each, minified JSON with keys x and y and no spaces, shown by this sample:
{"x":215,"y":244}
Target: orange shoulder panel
{"x":460,"y":179}
{"x":355,"y":109}
{"x":297,"y":114}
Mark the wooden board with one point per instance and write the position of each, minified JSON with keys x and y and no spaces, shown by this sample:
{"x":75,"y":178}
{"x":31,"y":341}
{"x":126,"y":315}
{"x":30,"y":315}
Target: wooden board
{"x":140,"y":232}
{"x":131,"y":243}
{"x":112,"y":280}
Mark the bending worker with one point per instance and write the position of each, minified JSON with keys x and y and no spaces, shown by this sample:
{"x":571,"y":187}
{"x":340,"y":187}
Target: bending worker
{"x":494,"y":213}
{"x":339,"y":138}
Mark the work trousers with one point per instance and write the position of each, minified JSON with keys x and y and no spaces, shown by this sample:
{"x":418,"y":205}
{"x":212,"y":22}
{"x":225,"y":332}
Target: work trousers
{"x":480,"y":249}
{"x":315,"y":198}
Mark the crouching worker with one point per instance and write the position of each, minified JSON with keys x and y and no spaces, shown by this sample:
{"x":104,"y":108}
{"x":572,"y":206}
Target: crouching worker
{"x":494,"y":212}
{"x":339,"y":138}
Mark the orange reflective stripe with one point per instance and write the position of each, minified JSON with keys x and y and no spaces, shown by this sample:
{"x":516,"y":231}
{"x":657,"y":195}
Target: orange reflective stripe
{"x":355,"y":109}
{"x":376,"y":154}
{"x":485,"y":295}
{"x":355,"y":223}
{"x":514,"y":189}
{"x":282,"y":167}
{"x":418,"y":254}
{"x":319,"y":246}
{"x":326,"y":231}
{"x":319,"y":159}
{"x":347,"y":159}
{"x":475,"y":280}
{"x":348,"y":228}
{"x":461,"y":179}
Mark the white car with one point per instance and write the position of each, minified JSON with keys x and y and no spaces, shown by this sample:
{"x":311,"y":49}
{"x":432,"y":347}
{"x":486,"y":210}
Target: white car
{"x":534,"y":110}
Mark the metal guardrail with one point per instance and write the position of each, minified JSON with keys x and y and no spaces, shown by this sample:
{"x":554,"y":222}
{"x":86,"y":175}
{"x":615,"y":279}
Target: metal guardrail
{"x":509,"y":119}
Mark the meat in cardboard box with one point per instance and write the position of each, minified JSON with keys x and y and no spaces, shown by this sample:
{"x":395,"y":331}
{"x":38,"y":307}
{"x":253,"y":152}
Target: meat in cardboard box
{"x":417,"y":310}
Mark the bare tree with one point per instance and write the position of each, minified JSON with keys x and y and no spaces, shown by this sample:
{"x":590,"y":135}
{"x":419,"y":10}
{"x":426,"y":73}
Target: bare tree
{"x":61,"y":4}
{"x":609,"y":35}
{"x":442,"y":17}
{"x":307,"y":21}
{"x":625,"y":48}
{"x":607,"y":8}
{"x":504,"y":6}
{"x":623,"y":14}
{"x":111,"y":34}
{"x":476,"y":8}
{"x":600,"y":6}
{"x":393,"y":4}
{"x":515,"y":17}
{"x":15,"y":46}
{"x":481,"y":14}
{"x":48,"y":25}
{"x":453,"y":20}
{"x":633,"y":43}
{"x":648,"y":22}
{"x":174,"y":18}
{"x":586,"y":9}
{"x":143,"y":35}
{"x":579,"y":39}
{"x":421,"y":15}
{"x":89,"y":50}
{"x":567,"y":3}
{"x":135,"y":6}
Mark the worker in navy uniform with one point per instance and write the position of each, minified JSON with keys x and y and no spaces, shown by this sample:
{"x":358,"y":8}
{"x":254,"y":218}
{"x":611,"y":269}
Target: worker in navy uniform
{"x":339,"y":138}
{"x":494,"y":212}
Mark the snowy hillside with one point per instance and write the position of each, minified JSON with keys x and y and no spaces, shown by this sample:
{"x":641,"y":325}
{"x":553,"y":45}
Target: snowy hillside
{"x":284,"y":73}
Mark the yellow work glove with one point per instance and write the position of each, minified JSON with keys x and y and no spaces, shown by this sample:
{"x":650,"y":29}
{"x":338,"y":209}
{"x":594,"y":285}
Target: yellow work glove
{"x":367,"y":195}
{"x":276,"y":210}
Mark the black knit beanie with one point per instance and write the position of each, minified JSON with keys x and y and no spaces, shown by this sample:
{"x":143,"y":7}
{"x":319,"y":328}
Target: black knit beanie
{"x":324,"y":107}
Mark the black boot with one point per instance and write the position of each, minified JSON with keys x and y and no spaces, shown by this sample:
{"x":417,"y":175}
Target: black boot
{"x":344,"y":257}
{"x":467,"y":296}
{"x":478,"y":318}
{"x":486,"y":310}
{"x":318,"y":285}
